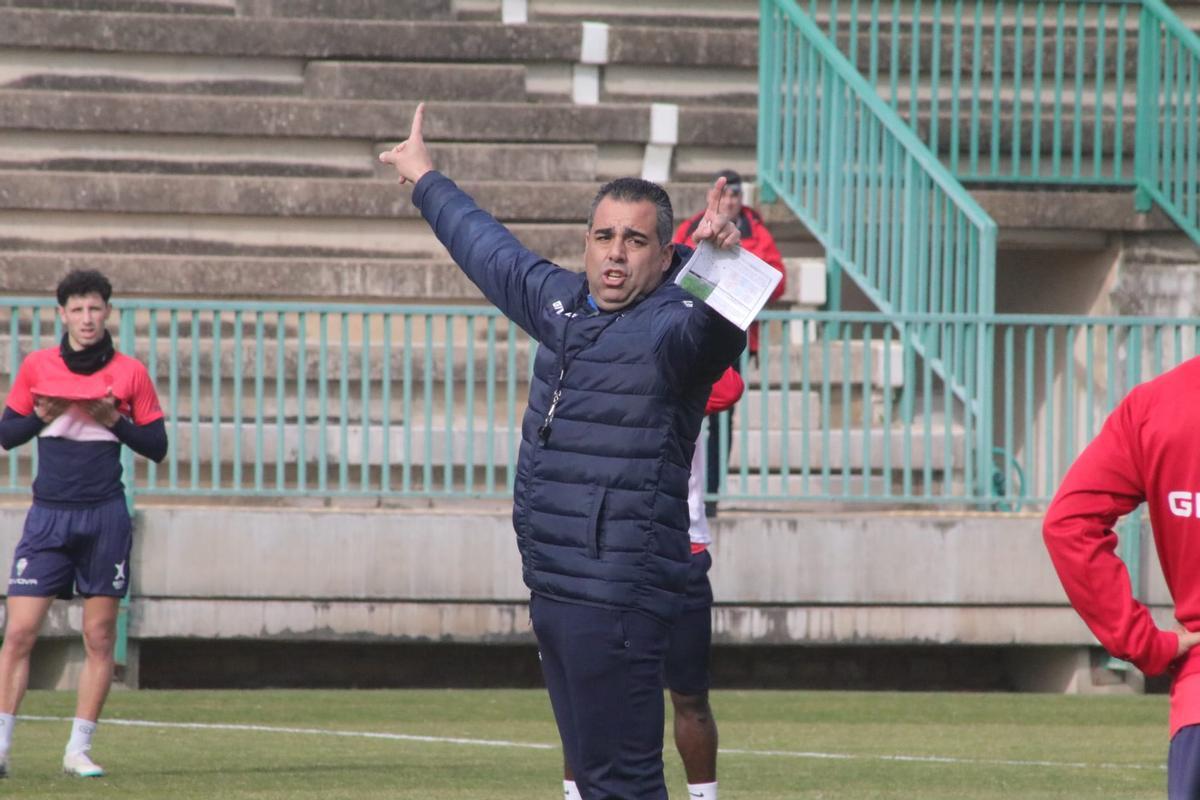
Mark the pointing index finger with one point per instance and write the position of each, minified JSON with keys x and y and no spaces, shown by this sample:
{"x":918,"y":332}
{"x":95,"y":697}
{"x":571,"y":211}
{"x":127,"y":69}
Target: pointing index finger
{"x":715,"y":194}
{"x":418,"y":121}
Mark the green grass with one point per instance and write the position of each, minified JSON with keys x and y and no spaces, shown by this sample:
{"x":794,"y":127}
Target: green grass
{"x":1126,"y":733}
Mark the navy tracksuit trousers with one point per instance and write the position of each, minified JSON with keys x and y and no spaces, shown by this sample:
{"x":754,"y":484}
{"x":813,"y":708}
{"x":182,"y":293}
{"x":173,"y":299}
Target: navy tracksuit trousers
{"x":604,"y":671}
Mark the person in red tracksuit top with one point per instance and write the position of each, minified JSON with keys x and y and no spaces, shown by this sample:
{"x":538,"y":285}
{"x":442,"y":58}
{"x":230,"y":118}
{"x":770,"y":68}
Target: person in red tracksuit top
{"x":1146,"y":452}
{"x":759,"y":241}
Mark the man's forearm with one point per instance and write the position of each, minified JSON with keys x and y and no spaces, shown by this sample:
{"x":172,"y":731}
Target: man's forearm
{"x":17,"y":429}
{"x":148,"y":440}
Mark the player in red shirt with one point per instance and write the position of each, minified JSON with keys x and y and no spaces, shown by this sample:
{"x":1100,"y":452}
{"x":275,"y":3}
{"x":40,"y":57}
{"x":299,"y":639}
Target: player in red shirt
{"x":1146,"y":452}
{"x":83,"y":401}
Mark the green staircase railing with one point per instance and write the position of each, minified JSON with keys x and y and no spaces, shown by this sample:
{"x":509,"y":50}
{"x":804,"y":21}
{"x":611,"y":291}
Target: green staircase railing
{"x":1167,"y":131}
{"x":1095,"y":93}
{"x":294,"y":401}
{"x":888,"y":214}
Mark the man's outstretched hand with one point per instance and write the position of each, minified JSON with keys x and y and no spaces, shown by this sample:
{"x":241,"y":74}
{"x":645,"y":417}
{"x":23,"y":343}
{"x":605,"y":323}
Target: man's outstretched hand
{"x":717,"y":224}
{"x":410,"y":158}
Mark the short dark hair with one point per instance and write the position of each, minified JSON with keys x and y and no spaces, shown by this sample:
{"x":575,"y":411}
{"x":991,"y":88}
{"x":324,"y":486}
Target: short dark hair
{"x":80,"y":282}
{"x":733,"y":179}
{"x":634,"y":190}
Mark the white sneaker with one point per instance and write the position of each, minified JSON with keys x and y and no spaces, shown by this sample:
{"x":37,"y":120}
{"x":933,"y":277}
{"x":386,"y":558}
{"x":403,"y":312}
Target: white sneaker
{"x":81,"y":766}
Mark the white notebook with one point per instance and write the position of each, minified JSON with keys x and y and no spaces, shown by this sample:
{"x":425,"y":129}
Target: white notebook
{"x":733,"y":282}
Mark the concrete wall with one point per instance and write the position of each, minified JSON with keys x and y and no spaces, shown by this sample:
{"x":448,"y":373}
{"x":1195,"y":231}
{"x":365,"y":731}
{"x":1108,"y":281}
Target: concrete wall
{"x":454,"y":575}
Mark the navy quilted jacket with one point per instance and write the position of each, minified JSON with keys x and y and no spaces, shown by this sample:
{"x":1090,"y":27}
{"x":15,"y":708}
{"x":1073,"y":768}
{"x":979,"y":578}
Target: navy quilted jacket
{"x":600,"y":500}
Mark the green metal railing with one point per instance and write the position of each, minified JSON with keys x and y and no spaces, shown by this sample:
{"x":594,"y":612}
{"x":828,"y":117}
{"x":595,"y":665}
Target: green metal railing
{"x":887,"y":212}
{"x":288,"y":400}
{"x":1008,"y":90}
{"x":836,"y":430}
{"x":1168,"y":128}
{"x":1074,"y":92}
{"x":279,"y":399}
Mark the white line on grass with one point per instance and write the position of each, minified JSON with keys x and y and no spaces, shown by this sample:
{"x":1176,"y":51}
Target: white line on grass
{"x":403,"y":737}
{"x":409,"y":737}
{"x":939,"y":759}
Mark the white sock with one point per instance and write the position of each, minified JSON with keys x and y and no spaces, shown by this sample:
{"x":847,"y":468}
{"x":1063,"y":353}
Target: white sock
{"x":703,"y":791}
{"x":6,"y":728}
{"x":81,"y":735}
{"x":571,"y":791}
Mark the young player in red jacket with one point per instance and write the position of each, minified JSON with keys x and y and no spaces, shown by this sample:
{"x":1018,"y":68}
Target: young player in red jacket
{"x":1146,"y":452}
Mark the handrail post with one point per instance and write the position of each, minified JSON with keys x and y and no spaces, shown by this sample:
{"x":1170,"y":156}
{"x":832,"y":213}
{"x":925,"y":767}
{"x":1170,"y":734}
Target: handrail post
{"x":768,"y":96}
{"x":127,"y":334}
{"x":1146,"y":116}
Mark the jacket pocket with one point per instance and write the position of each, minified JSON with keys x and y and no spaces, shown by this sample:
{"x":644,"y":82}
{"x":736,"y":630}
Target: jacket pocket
{"x":593,"y":526}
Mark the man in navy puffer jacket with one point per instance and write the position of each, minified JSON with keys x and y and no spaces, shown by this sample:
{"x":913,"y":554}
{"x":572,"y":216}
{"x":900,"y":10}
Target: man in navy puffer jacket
{"x":626,"y":363}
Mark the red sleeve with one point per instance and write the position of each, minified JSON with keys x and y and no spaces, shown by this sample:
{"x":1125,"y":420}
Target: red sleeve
{"x":725,"y":392}
{"x":1104,"y":484}
{"x":20,"y":398}
{"x":683,"y":234}
{"x":145,"y":399}
{"x":768,"y":251}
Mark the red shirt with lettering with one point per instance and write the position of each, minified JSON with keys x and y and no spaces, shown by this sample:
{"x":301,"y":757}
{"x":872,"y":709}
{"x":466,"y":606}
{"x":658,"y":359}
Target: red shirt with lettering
{"x":1148,"y":450}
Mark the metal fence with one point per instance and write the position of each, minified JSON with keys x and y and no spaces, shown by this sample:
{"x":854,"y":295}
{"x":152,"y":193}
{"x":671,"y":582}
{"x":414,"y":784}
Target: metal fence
{"x":325,"y":401}
{"x":1074,"y":92}
{"x":1168,"y":170}
{"x":886,"y":211}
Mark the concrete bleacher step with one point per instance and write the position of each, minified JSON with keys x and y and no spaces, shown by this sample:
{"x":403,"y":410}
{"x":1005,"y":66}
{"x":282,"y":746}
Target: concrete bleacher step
{"x":148,"y":73}
{"x":415,"y":81}
{"x":143,"y":234}
{"x":375,"y":121}
{"x":666,"y":13}
{"x":220,"y":35}
{"x":347,"y":9}
{"x":254,"y":196}
{"x":283,"y":157}
{"x":188,"y":155}
{"x":261,"y":216}
{"x":465,"y":42}
{"x":846,"y":364}
{"x":807,"y":448}
{"x":848,"y":485}
{"x":225,"y":7}
{"x":807,"y":409}
{"x":425,"y":279}
{"x":60,"y":70}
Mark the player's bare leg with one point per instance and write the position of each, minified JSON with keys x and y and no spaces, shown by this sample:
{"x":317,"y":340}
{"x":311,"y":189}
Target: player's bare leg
{"x":23,"y":622}
{"x":696,"y":740}
{"x":99,"y":640}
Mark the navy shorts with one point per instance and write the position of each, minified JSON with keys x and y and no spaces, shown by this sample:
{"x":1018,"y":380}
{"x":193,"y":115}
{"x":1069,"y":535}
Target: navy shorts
{"x":687,"y":668}
{"x":603,"y":669}
{"x":84,"y":548}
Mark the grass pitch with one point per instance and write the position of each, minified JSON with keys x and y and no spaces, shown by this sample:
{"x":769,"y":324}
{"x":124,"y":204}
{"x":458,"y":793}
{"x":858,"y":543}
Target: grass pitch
{"x":501,"y":745}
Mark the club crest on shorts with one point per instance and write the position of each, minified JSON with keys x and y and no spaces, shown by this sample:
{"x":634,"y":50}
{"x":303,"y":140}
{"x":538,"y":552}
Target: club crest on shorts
{"x":22,"y":563}
{"x":119,"y":579}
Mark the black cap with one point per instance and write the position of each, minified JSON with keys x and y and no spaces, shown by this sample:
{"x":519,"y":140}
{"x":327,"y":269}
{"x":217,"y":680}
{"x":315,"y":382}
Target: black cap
{"x":733,"y":180}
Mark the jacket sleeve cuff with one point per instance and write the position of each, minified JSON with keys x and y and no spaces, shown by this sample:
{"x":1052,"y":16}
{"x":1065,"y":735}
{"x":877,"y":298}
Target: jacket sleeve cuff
{"x":1162,"y":653}
{"x":422,"y":186}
